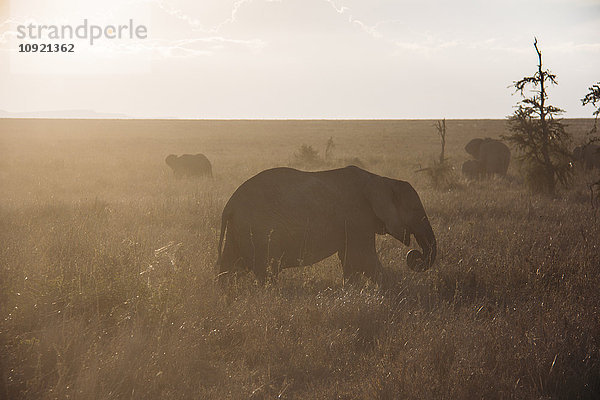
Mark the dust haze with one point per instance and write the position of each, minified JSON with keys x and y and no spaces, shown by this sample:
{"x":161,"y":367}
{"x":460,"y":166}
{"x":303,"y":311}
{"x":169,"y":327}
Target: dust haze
{"x":108,"y":266}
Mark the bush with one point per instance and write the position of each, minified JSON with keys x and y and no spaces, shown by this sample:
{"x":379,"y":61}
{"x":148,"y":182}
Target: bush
{"x":441,"y":175}
{"x":307,"y":157}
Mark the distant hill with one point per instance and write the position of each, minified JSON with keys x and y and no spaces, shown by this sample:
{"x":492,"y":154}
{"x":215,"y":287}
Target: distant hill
{"x":59,"y":114}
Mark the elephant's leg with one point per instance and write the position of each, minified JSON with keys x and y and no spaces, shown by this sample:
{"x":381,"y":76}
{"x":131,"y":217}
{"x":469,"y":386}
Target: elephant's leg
{"x":375,"y":274}
{"x":274,"y":264}
{"x":227,"y":258}
{"x":349,"y":274}
{"x":258,"y":249}
{"x":269,"y":256}
{"x":246,"y":251}
{"x":266,"y":262}
{"x":359,"y":256}
{"x":231,"y":262}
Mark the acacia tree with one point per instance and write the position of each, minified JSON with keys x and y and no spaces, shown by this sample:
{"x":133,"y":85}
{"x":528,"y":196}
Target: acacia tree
{"x":593,"y":97}
{"x":537,"y":134}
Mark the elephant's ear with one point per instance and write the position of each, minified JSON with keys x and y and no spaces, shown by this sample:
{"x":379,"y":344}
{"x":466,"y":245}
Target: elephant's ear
{"x":170,"y":160}
{"x":380,"y":194}
{"x":473,"y":147}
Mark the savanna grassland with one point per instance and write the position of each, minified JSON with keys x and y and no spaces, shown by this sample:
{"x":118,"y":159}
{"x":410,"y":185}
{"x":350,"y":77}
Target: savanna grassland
{"x":94,"y":306}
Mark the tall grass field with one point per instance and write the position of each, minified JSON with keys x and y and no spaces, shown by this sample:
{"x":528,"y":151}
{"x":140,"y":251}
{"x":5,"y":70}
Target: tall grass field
{"x":107,"y":267}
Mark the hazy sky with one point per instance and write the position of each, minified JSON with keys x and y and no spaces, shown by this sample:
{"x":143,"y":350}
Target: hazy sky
{"x":301,"y":58}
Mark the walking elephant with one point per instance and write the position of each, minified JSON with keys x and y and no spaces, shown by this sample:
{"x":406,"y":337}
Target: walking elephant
{"x":188,"y":165}
{"x":493,"y":155}
{"x":284,"y":218}
{"x":588,"y":155}
{"x":472,"y":169}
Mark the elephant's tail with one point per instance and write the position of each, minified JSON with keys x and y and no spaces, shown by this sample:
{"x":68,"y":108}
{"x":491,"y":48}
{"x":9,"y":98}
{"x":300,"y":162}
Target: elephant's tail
{"x":224,"y":220}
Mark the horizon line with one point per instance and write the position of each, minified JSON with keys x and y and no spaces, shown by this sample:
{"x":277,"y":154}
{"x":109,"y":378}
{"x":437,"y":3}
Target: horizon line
{"x":264,"y":119}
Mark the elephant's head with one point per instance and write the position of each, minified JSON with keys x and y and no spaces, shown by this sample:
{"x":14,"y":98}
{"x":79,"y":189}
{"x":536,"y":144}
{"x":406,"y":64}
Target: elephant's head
{"x":473,"y":147}
{"x":171,"y":160}
{"x":398,"y":206}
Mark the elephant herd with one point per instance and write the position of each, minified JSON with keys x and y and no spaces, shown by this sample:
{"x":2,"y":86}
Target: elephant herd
{"x":283,"y":217}
{"x":491,"y":156}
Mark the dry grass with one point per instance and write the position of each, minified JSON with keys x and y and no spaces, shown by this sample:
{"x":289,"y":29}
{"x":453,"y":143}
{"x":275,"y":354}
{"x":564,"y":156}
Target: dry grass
{"x":90,"y":310}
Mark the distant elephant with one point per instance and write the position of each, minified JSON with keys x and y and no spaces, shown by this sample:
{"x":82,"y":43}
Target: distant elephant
{"x":588,"y":155}
{"x":284,"y":218}
{"x":493,"y":155}
{"x":472,"y":169}
{"x":189,"y":165}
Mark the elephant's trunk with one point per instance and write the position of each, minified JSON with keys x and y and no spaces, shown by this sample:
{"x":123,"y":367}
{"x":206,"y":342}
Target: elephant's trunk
{"x":421,"y":261}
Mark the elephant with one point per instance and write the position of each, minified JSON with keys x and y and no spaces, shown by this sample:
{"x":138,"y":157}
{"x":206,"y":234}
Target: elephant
{"x":472,"y":169}
{"x":188,"y":165}
{"x":493,"y":155}
{"x":283,"y":217}
{"x":588,"y":155}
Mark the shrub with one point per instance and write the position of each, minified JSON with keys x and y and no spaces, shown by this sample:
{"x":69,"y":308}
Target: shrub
{"x":307,"y":157}
{"x":441,"y":175}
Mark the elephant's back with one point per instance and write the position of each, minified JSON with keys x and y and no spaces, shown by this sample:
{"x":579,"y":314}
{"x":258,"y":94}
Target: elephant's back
{"x":495,"y":146}
{"x":276,"y":185}
{"x":294,"y":193}
{"x":194,"y":159}
{"x":195,"y":164}
{"x":202,"y":160}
